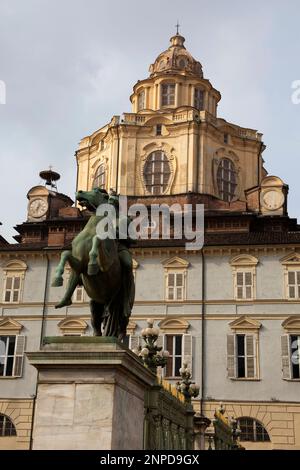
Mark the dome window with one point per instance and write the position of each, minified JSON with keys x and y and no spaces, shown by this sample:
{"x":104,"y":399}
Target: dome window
{"x":198,"y":99}
{"x":157,"y":172}
{"x":100,"y":177}
{"x":226,"y":179}
{"x":168,"y":94}
{"x":141,"y":100}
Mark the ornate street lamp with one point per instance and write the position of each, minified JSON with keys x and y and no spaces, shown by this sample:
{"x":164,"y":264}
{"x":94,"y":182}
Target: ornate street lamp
{"x":188,"y":388}
{"x":152,"y":355}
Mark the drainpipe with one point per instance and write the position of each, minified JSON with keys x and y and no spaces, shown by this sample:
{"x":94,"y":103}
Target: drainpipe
{"x":118,"y":157}
{"x":44,"y":301}
{"x":41,"y":342}
{"x":202,"y":332}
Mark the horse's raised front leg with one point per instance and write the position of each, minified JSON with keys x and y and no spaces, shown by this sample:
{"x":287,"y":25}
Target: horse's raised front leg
{"x":93,"y":266}
{"x":58,"y":278}
{"x":72,"y":284}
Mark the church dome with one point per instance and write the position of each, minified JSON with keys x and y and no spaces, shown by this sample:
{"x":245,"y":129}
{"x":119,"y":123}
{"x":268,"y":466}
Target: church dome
{"x":176,"y":59}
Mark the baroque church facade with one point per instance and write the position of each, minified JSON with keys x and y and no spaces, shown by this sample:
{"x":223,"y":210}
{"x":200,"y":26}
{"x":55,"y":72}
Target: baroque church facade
{"x":231,"y":309}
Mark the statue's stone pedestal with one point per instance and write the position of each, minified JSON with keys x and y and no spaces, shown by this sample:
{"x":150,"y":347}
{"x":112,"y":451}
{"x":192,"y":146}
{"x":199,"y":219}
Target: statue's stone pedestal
{"x":90,"y":395}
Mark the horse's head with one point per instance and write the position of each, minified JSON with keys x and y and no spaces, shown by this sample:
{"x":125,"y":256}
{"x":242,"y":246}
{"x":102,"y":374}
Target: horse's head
{"x":92,"y":199}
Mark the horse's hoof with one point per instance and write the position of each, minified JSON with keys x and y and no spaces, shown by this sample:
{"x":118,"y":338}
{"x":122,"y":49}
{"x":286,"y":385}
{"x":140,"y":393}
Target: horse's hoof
{"x":93,"y":269}
{"x":64,"y":303}
{"x":57,"y":282}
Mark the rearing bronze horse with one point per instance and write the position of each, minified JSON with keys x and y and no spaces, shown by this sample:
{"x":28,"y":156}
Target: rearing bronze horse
{"x":96,"y":265}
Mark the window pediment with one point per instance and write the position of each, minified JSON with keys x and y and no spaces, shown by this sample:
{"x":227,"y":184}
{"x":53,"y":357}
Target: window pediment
{"x":292,"y":323}
{"x":8,"y":326}
{"x":245,"y":323}
{"x":174,"y":326}
{"x":72,"y":325}
{"x":15,"y":266}
{"x":244,"y":260}
{"x":175,"y":263}
{"x":291,"y":258}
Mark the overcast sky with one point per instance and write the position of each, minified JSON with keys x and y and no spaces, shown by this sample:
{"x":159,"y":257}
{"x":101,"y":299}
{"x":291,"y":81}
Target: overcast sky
{"x":70,"y":65}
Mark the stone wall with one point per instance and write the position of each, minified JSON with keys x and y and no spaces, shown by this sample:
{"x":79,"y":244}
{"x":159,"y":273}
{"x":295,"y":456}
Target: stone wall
{"x":20,"y":413}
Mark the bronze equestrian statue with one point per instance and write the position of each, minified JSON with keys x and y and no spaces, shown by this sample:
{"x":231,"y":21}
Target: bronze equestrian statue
{"x":103,"y":267}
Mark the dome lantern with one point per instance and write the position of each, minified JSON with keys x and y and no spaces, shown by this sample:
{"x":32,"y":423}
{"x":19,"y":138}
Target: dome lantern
{"x":176,"y":59}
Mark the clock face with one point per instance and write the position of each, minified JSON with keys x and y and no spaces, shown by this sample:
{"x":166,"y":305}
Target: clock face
{"x":38,"y":207}
{"x":273,"y":200}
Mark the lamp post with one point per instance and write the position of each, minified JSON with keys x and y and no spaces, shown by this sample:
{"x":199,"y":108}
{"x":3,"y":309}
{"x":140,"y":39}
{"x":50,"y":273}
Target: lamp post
{"x":152,"y":355}
{"x":188,"y":388}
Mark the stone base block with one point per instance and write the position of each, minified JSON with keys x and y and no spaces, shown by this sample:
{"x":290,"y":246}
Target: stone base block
{"x":90,"y":395}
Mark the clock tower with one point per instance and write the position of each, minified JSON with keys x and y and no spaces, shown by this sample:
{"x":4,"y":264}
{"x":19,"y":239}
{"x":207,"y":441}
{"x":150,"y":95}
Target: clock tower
{"x":38,"y":204}
{"x":45,"y":202}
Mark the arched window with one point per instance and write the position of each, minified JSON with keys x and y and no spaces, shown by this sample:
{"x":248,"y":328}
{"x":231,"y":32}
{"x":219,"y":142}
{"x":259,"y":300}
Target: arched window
{"x":100,"y":176}
{"x":157,"y":172}
{"x":7,"y":427}
{"x":252,"y":430}
{"x":226,"y":179}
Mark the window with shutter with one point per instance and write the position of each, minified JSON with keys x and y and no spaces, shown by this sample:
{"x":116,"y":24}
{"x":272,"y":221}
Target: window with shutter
{"x":290,"y":348}
{"x":250,"y":356}
{"x":174,"y":345}
{"x":188,"y":350}
{"x":285,"y":356}
{"x":11,"y":355}
{"x":175,"y":286}
{"x":293,"y":284}
{"x":244,"y":285}
{"x":295,"y":349}
{"x":12,"y":290}
{"x":19,"y":356}
{"x":241,"y":356}
{"x":231,"y":359}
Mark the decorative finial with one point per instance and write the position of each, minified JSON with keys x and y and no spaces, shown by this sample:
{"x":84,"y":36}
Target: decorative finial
{"x":177,"y":28}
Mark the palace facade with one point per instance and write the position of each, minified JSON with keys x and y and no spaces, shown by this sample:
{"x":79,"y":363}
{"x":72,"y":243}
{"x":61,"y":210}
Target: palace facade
{"x":231,"y":309}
